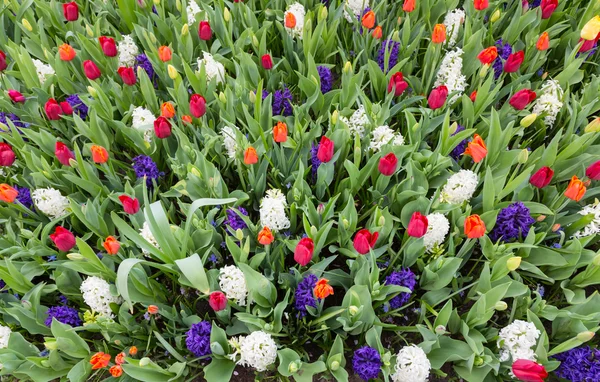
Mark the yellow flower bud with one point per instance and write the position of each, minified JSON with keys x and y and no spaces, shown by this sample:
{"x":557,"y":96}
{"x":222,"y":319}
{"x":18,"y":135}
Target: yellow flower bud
{"x":195,"y":172}
{"x":353,"y":310}
{"x":347,"y":67}
{"x":334,"y":366}
{"x":239,"y":234}
{"x":495,"y":16}
{"x":172,"y":72}
{"x":596,"y":260}
{"x":323,"y":13}
{"x":585,"y":336}
{"x":593,"y":126}
{"x":523,"y":156}
{"x":226,"y":15}
{"x":334,"y":117}
{"x":313,"y":231}
{"x":528,"y":120}
{"x":89,"y":31}
{"x":513,"y":263}
{"x":178,"y":5}
{"x":544,"y":75}
{"x":484,"y":70}
{"x":156,"y":2}
{"x":92,"y":91}
{"x":396,"y":36}
{"x":145,"y":362}
{"x":591,"y":29}
{"x":293,"y":367}
{"x":153,"y":38}
{"x":185,"y":29}
{"x":381,"y":221}
{"x":501,"y":306}
{"x":252,"y":96}
{"x":222,"y":97}
{"x":75,"y":256}
{"x":26,"y":24}
{"x":51,"y":345}
{"x":453,"y":128}
{"x":255,"y":41}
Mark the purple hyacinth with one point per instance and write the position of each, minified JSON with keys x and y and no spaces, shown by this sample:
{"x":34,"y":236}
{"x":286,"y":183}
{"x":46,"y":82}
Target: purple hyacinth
{"x":144,"y":166}
{"x":460,"y":148}
{"x":406,"y":278}
{"x":512,"y":222}
{"x":282,"y":101}
{"x":581,"y":364}
{"x":2,"y":284}
{"x":393,"y":49}
{"x":304,"y":294}
{"x":504,"y":50}
{"x":24,"y":196}
{"x":234,"y":220}
{"x":80,"y":108}
{"x":5,"y":117}
{"x":314,"y":160}
{"x":534,"y":3}
{"x":197,"y":339}
{"x":142,"y":61}
{"x":366,"y":363}
{"x":326,"y":78}
{"x":63,"y":314}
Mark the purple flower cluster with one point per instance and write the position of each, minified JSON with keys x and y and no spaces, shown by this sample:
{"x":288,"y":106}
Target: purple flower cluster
{"x":24,"y":196}
{"x":366,"y":363}
{"x":304,"y":294}
{"x":460,"y":148}
{"x":314,"y":160}
{"x":282,"y":101}
{"x":80,"y":108}
{"x":406,"y":278}
{"x":326,"y":78}
{"x":504,"y":50}
{"x":197,"y":339}
{"x":144,"y":166}
{"x":142,"y":61}
{"x":512,"y":222}
{"x":393,"y":49}
{"x":5,"y":117}
{"x":581,"y":364}
{"x":534,"y":3}
{"x":234,"y":220}
{"x":63,"y":314}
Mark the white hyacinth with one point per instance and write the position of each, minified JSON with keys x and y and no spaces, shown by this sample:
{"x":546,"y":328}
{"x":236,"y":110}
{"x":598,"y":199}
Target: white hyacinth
{"x":258,"y":350}
{"x":593,"y":227}
{"x":450,"y":74}
{"x":383,"y":135}
{"x":143,"y":121}
{"x":50,"y":202}
{"x":272,"y":211}
{"x":516,"y":341}
{"x":212,"y":68}
{"x":233,"y":284}
{"x":549,"y":102}
{"x":4,"y":336}
{"x":43,"y":70}
{"x":460,"y":187}
{"x":230,"y":140}
{"x":437,"y":228}
{"x":148,"y":236}
{"x":298,"y":11}
{"x":192,"y":10}
{"x":353,"y":9}
{"x":452,"y":21}
{"x":96,"y":294}
{"x":412,"y":365}
{"x":127,"y":51}
{"x":357,"y":122}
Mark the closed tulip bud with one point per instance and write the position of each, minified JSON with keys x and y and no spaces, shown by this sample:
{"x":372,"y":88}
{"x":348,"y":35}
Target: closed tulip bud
{"x":526,"y":370}
{"x":528,"y":120}
{"x":353,"y":310}
{"x":293,"y":367}
{"x":7,"y":155}
{"x":488,"y":55}
{"x":438,"y":35}
{"x":280,"y":132}
{"x":63,"y":154}
{"x":265,"y":236}
{"x":325,"y":150}
{"x":513,"y":263}
{"x":252,"y":96}
{"x":172,"y":72}
{"x":596,"y":260}
{"x":555,"y":227}
{"x":593,"y":171}
{"x":522,"y":98}
{"x":304,"y":251}
{"x":145,"y":362}
{"x":89,"y":31}
{"x":162,"y":128}
{"x":130,"y":205}
{"x":266,"y":62}
{"x":495,"y":16}
{"x":543,"y":42}
{"x":7,"y":193}
{"x":334,"y":366}
{"x":576,"y":189}
{"x":523,"y":156}
{"x":541,"y":218}
{"x":197,"y":105}
{"x":91,"y":70}
{"x":368,"y":20}
{"x":226,"y":15}
{"x":222,"y":97}
{"x":364,"y":241}
{"x":409,"y":5}
{"x":99,"y":154}
{"x":440,"y":329}
{"x":185,"y":29}
{"x":514,"y":61}
{"x":437,"y":97}
{"x":63,"y":239}
{"x":474,"y":227}
{"x":334,"y":117}
{"x":347,"y":67}
{"x":388,"y":164}
{"x":417,"y":227}
{"x":71,"y":11}
{"x":323,"y":13}
{"x":542,"y":177}
{"x":26,"y":24}
{"x":92,"y":91}
{"x":164,"y":53}
{"x":51,"y":345}
{"x":255,"y":41}
{"x":544,"y":75}
{"x":593,"y":126}
{"x":397,"y":84}
{"x":250,"y":156}
{"x":501,"y":306}
{"x":548,"y":7}
{"x":156,"y":2}
{"x":585,"y":336}
{"x":167,"y":110}
{"x":111,"y":245}
{"x":480,"y":5}
{"x":591,"y":29}
{"x":16,"y":96}
{"x":217,"y":301}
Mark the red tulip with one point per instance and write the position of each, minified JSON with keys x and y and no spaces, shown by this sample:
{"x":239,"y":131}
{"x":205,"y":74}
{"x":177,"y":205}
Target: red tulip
{"x":388,"y":164}
{"x":108,"y":45}
{"x":522,"y":98}
{"x":71,"y":11}
{"x":63,"y":239}
{"x":593,"y":172}
{"x":364,"y":241}
{"x":473,"y":96}
{"x":3,"y":64}
{"x":542,"y":177}
{"x":488,"y":55}
{"x":204,"y":31}
{"x":437,"y":97}
{"x":52,"y":109}
{"x":548,"y":7}
{"x":7,"y":155}
{"x":514,"y":61}
{"x":266,"y":61}
{"x":304,"y":251}
{"x":66,"y":108}
{"x":130,"y":205}
{"x":162,"y":127}
{"x":325,"y":151}
{"x":409,"y":5}
{"x":480,"y":5}
{"x":63,"y":154}
{"x":197,"y":105}
{"x":127,"y":75}
{"x":15,"y":96}
{"x":529,"y":371}
{"x":91,"y":70}
{"x":588,"y":44}
{"x":417,"y":227}
{"x":397,"y":84}
{"x":217,"y":301}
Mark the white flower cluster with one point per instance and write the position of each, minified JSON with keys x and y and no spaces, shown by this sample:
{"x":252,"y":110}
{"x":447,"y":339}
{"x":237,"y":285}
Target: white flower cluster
{"x":516,"y":341}
{"x":437,"y":228}
{"x":357,"y":122}
{"x":96,"y":294}
{"x":452,"y":21}
{"x":127,"y":51}
{"x":148,"y":236}
{"x":460,"y":187}
{"x":450,"y":74}
{"x":272,"y":211}
{"x":4,"y":336}
{"x":50,"y":202}
{"x":212,"y":68}
{"x":258,"y":350}
{"x":43,"y":70}
{"x":593,"y":227}
{"x":383,"y":135}
{"x":354,"y":8}
{"x":549,"y":102}
{"x":192,"y":9}
{"x":143,"y":120}
{"x":233,"y":284}
{"x":298,"y":11}
{"x":412,"y":365}
{"x":230,"y":140}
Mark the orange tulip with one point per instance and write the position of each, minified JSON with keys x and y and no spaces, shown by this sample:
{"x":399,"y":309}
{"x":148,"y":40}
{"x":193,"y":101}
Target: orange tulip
{"x":167,"y":110}
{"x":322,"y":289}
{"x":164,"y":53}
{"x":280,"y":132}
{"x":133,"y":350}
{"x":476,"y":149}
{"x":488,"y":55}
{"x":99,"y":360}
{"x":66,"y":52}
{"x":250,"y":156}
{"x":377,"y":32}
{"x":543,"y":42}
{"x":7,"y":193}
{"x":111,"y":245}
{"x":474,"y":227}
{"x":99,"y":154}
{"x":152,"y":309}
{"x":576,"y":189}
{"x":186,"y":118}
{"x":439,"y":34}
{"x":116,"y":371}
{"x":409,"y":5}
{"x":265,"y":236}
{"x":368,"y":20}
{"x":290,"y":20}
{"x":120,"y":358}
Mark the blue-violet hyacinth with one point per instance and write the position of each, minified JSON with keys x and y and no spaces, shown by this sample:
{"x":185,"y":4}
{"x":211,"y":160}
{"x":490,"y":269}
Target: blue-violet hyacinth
{"x":234,"y":220}
{"x":142,"y":61}
{"x":304,"y":294}
{"x":393,"y":49}
{"x":314,"y":161}
{"x":281,"y":102}
{"x":144,"y":166}
{"x":79,"y":108}
{"x":512,"y":222}
{"x":366,"y":363}
{"x":24,"y":196}
{"x":326,"y":78}
{"x":406,"y":278}
{"x":460,"y":148}
{"x":5,"y":117}
{"x":581,"y":364}
{"x":197,"y":339}
{"x":63,"y":314}
{"x":504,"y":50}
